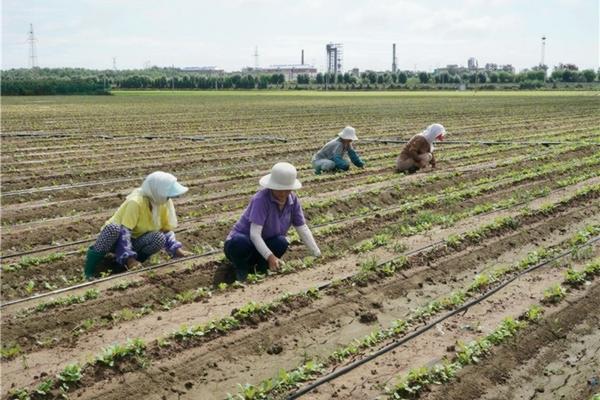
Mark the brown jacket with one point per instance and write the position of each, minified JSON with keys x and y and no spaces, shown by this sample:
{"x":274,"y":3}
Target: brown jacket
{"x":416,"y":146}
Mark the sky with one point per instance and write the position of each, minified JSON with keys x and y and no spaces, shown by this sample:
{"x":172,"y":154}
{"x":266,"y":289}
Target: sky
{"x":224,"y":33}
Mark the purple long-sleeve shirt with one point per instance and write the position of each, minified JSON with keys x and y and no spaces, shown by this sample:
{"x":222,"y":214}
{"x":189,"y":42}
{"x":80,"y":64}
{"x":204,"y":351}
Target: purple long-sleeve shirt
{"x":264,"y":210}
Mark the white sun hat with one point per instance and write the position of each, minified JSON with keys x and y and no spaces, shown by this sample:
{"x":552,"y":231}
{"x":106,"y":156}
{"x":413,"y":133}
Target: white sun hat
{"x":282,"y":177}
{"x":348,"y":133}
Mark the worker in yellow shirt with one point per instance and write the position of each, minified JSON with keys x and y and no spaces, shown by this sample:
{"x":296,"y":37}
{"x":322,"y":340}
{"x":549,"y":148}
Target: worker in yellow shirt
{"x":142,"y":226}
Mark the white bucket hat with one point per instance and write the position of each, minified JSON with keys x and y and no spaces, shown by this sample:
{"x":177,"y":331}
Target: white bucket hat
{"x":282,"y":177}
{"x":348,"y":133}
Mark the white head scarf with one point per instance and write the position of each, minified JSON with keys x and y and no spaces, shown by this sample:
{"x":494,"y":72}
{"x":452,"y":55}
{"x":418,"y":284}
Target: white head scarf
{"x":432,"y":132}
{"x":155,"y":187}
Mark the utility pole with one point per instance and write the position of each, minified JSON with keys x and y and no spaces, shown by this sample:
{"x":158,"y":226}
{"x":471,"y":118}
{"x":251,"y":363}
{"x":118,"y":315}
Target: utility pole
{"x":32,"y":49}
{"x":394,"y":65}
{"x":173,"y":79}
{"x":542,"y":62}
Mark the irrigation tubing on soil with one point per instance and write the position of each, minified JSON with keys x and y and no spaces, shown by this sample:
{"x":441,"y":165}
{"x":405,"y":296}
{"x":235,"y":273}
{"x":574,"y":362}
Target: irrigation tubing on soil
{"x":48,"y":248}
{"x":484,"y":142}
{"x":344,"y":370}
{"x":108,"y":278}
{"x":121,"y":180}
{"x":211,"y":252}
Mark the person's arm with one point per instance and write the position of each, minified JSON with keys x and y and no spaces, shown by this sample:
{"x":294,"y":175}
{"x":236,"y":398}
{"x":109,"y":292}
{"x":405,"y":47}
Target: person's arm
{"x":307,"y":238}
{"x":355,"y":158}
{"x":258,"y":242}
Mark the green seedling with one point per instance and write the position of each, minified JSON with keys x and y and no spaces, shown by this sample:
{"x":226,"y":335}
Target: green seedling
{"x":554,"y":294}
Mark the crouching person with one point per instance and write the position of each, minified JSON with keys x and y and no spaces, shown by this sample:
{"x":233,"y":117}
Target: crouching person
{"x":332,"y":156}
{"x":142,"y":226}
{"x":258,"y":239}
{"x":418,"y":152}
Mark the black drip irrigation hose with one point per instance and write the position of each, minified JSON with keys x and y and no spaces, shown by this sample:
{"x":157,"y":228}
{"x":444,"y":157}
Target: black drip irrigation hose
{"x":211,"y":252}
{"x":486,"y":143}
{"x":344,"y":370}
{"x":109,"y":278}
{"x":121,"y":180}
{"x":48,"y":248}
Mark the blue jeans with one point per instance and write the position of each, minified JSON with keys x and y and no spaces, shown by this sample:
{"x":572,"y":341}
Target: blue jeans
{"x":246,"y":259}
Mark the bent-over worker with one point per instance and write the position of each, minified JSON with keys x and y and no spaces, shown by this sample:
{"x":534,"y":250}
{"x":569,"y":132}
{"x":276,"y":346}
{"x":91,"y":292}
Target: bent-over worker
{"x":331,"y":157}
{"x":418,"y":152}
{"x":142,"y":226}
{"x":258,"y":239}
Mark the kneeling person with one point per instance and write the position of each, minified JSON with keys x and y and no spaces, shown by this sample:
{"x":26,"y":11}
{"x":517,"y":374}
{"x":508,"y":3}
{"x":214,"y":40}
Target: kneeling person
{"x":258,"y":239}
{"x":418,"y":152}
{"x":142,"y":226}
{"x":331,"y":156}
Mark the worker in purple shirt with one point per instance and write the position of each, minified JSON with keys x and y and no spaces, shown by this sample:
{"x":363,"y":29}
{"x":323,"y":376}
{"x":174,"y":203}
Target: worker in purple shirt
{"x":258,"y":239}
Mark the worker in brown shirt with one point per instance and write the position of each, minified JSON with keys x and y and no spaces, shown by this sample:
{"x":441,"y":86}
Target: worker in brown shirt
{"x":418,"y":152}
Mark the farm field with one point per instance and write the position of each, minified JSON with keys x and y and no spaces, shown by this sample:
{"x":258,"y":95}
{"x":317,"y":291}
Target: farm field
{"x":476,"y":280}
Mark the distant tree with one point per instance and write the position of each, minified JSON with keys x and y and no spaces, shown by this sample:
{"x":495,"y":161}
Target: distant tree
{"x":380,"y":79}
{"x":263,"y":81}
{"x":494,"y":77}
{"x":402,"y":78}
{"x":569,"y":75}
{"x":505,"y":77}
{"x":372,"y":76}
{"x":303,"y":79}
{"x":444,"y":77}
{"x":319,"y":79}
{"x":589,"y":75}
{"x":481,"y":77}
{"x":424,"y":77}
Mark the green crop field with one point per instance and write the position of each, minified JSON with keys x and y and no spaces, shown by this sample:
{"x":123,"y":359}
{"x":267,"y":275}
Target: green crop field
{"x":398,"y":251}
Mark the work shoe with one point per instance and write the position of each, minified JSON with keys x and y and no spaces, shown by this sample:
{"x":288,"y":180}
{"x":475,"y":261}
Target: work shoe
{"x":92,"y":260}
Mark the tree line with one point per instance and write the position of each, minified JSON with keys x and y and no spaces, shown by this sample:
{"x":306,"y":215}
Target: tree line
{"x":40,"y":81}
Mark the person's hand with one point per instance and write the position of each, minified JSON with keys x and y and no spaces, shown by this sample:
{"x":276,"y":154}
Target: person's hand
{"x":274,"y":263}
{"x":133,"y":264}
{"x":182,"y":253}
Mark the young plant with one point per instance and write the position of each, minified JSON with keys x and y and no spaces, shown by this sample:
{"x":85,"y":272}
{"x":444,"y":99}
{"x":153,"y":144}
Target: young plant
{"x":133,"y":348}
{"x":554,"y":294}
{"x":574,"y":278}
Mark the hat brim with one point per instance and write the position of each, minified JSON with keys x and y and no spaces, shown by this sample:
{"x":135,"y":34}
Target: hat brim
{"x":177,"y":190}
{"x":268,"y":183}
{"x":353,"y":137}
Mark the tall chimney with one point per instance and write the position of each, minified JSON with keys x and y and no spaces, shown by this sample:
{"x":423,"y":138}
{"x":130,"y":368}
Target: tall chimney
{"x":394,"y":67}
{"x":302,"y":58}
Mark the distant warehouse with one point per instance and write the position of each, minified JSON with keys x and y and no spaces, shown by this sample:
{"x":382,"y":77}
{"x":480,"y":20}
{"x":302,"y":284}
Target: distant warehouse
{"x":290,"y":72}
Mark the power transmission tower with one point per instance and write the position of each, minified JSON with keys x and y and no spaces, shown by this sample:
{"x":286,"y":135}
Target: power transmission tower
{"x":32,"y":49}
